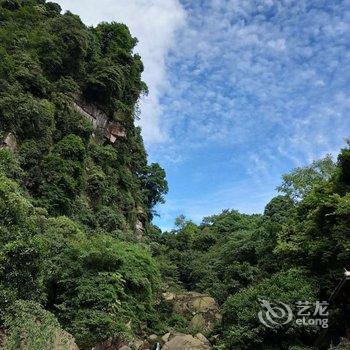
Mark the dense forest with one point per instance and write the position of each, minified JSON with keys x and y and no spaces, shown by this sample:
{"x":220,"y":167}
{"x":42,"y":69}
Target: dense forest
{"x":82,"y":266}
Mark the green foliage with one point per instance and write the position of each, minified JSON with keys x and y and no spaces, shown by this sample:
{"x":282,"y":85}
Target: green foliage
{"x":49,"y":61}
{"x":27,"y":117}
{"x":218,"y":257}
{"x":69,"y":199}
{"x":242,"y":328}
{"x":343,"y":175}
{"x":300,"y":181}
{"x":21,"y":275}
{"x":317,"y":236}
{"x":64,"y":47}
{"x":103,"y":284}
{"x":9,"y":164}
{"x":279,"y":209}
{"x":63,"y":175}
{"x":154,"y":184}
{"x":301,"y":241}
{"x":30,"y":327}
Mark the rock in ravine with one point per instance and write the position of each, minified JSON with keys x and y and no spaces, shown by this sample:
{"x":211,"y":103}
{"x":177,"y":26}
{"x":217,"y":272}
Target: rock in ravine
{"x":181,"y":341}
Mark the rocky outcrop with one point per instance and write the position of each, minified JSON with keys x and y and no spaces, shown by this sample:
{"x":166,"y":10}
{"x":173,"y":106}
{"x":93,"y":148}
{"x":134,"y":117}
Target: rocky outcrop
{"x":140,"y":223}
{"x":110,"y":129}
{"x":202,"y":309}
{"x":9,"y":142}
{"x":179,"y":341}
{"x":169,"y":341}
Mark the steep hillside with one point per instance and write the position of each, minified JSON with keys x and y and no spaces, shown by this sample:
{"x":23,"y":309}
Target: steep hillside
{"x":60,"y":83}
{"x":76,"y":190}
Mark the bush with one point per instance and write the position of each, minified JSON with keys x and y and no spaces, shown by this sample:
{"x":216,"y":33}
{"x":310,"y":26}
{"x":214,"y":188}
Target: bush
{"x":100,"y":285}
{"x":28,"y":327}
{"x":242,"y":328}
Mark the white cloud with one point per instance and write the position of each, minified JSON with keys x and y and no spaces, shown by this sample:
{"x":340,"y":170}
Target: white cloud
{"x":154,"y":23}
{"x":262,"y":82}
{"x":270,"y":72}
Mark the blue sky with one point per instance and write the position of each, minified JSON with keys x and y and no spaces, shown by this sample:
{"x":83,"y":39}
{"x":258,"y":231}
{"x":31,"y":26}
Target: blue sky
{"x":240,"y":93}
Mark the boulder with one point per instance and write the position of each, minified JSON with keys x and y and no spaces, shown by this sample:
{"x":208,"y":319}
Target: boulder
{"x":202,"y":338}
{"x":153,"y":337}
{"x":138,"y":344}
{"x":181,"y":341}
{"x":64,"y":341}
{"x":198,"y":322}
{"x":125,"y":347}
{"x":9,"y":142}
{"x":168,"y":296}
{"x":204,"y":304}
{"x":166,"y":337}
{"x":202,"y":309}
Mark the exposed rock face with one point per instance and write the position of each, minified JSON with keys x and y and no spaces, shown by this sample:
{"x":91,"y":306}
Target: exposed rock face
{"x":140,"y":222}
{"x":9,"y":142}
{"x":139,"y":228}
{"x":100,"y":122}
{"x":203,"y":309}
{"x":170,"y":341}
{"x":181,"y":341}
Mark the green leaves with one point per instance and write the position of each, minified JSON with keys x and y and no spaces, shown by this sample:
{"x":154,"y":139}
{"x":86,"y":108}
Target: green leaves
{"x":301,"y":181}
{"x":296,"y":251}
{"x":29,"y":326}
{"x":76,"y":197}
{"x":242,"y":328}
{"x":103,"y":285}
{"x":317,"y":234}
{"x":27,"y":117}
{"x":154,"y":184}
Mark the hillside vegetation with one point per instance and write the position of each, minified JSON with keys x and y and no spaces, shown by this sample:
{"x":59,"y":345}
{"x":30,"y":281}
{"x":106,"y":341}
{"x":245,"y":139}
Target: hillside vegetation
{"x":295,"y":251}
{"x":80,"y":261}
{"x":69,"y":198}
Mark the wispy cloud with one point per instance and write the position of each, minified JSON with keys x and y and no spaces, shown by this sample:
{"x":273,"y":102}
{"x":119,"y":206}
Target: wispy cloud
{"x":263,"y":82}
{"x":253,"y":72}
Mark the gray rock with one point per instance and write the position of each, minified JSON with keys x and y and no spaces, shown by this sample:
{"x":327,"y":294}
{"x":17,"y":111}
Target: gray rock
{"x":125,"y":347}
{"x":186,"y":342}
{"x":166,"y":337}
